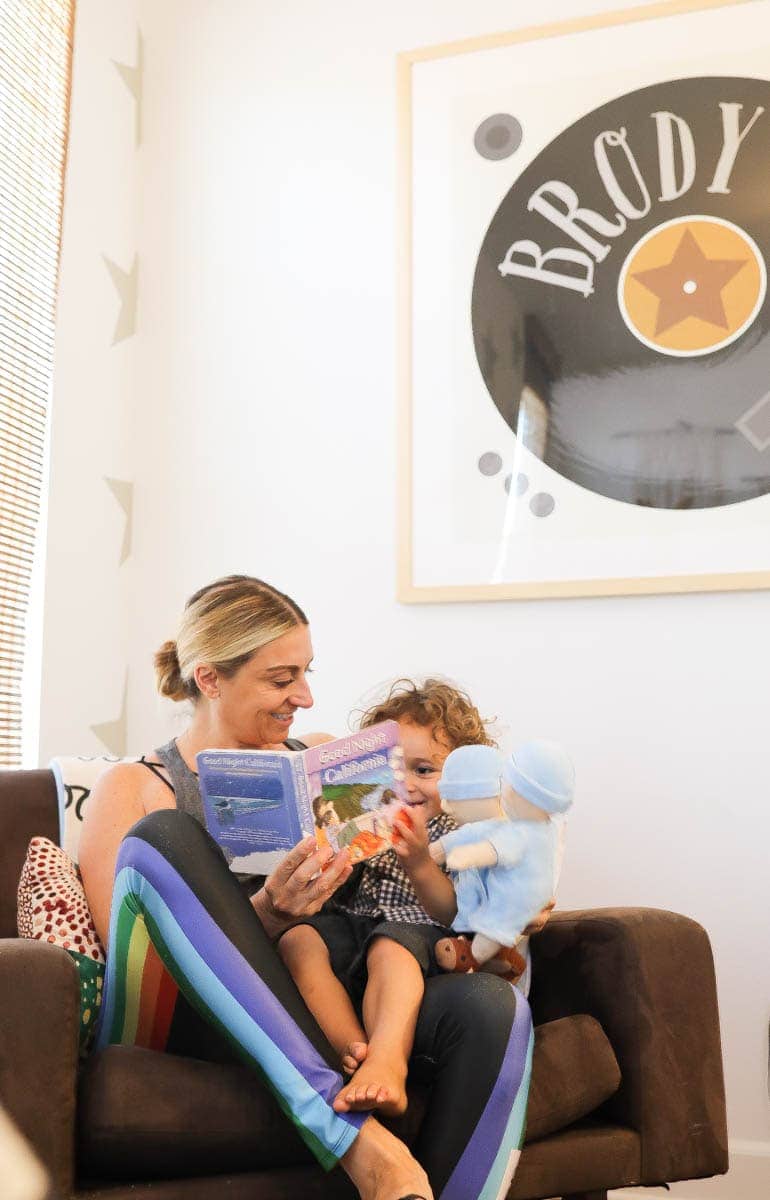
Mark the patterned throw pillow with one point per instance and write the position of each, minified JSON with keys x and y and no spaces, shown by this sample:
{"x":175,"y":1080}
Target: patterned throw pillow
{"x":52,"y":907}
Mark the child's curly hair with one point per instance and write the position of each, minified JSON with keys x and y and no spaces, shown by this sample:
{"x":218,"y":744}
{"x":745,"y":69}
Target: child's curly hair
{"x":434,"y":703}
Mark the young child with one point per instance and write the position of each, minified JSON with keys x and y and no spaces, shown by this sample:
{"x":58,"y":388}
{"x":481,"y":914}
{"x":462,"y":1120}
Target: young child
{"x":371,"y":950}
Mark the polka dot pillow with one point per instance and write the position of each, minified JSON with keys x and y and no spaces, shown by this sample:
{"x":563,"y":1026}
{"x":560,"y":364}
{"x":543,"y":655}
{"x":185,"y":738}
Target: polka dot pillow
{"x":52,"y":907}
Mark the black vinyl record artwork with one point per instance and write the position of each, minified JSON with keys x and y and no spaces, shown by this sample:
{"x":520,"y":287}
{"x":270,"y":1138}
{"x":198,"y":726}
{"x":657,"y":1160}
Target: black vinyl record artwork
{"x":619,"y":307}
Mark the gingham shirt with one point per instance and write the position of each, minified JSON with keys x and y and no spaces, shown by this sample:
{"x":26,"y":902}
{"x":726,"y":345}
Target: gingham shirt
{"x":384,"y":890}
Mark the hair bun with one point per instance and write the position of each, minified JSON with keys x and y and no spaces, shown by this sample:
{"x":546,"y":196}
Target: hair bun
{"x":168,"y":676}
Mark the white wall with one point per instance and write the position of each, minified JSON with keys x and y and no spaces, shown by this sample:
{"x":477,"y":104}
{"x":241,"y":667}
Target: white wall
{"x":263,"y":363}
{"x":94,"y":406}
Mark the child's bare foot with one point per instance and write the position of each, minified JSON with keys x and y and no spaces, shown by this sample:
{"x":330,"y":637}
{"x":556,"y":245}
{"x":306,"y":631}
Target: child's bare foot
{"x":376,"y":1084}
{"x":353,"y":1055}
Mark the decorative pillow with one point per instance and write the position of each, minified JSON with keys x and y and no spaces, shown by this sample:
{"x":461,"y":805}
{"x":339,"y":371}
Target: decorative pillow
{"x":75,"y":776}
{"x":52,"y":907}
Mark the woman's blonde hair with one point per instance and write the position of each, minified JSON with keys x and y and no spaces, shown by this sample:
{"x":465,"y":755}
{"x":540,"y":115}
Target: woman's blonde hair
{"x":434,"y":704}
{"x":223,"y":625}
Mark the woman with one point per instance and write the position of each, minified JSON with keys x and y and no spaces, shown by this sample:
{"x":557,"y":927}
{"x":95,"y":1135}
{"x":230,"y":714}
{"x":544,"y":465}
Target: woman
{"x":191,"y":965}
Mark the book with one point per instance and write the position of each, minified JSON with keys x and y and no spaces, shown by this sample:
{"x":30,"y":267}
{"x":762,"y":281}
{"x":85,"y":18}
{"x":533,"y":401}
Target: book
{"x":259,"y":803}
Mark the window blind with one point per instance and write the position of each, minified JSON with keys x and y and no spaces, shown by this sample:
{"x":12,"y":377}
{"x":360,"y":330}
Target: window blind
{"x":35,"y":72}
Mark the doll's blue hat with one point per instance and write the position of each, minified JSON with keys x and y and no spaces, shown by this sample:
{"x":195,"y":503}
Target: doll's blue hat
{"x":542,"y":772}
{"x":471,"y":773}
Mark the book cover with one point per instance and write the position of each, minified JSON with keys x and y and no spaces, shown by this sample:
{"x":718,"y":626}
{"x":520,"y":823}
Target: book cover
{"x":260,"y":803}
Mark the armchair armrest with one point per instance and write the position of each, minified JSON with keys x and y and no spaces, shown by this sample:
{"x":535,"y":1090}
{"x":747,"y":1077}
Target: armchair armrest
{"x":648,"y":977}
{"x":39,"y":1024}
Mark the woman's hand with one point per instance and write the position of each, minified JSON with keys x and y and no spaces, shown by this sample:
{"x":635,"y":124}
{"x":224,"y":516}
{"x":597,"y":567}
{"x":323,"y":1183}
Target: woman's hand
{"x":541,"y":919}
{"x":302,"y":883}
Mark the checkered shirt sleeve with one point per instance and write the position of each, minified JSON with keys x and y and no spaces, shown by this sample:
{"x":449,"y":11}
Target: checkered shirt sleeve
{"x":384,"y":891}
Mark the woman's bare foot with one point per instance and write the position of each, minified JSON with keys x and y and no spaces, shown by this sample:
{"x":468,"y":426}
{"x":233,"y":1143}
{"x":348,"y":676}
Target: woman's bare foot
{"x":381,"y":1167}
{"x":353,"y":1055}
{"x":376,"y":1084}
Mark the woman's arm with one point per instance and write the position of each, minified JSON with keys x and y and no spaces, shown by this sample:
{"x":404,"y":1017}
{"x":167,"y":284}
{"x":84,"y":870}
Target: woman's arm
{"x":114,"y":805}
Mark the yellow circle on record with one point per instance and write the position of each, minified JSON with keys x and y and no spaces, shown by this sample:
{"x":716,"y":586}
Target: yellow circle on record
{"x":692,"y":285}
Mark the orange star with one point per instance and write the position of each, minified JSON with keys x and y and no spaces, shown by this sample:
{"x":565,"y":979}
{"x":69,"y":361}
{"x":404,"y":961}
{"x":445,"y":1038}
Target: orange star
{"x":690,"y":285}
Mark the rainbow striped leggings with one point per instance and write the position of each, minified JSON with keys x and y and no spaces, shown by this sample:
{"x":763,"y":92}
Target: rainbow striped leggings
{"x":190,"y":969}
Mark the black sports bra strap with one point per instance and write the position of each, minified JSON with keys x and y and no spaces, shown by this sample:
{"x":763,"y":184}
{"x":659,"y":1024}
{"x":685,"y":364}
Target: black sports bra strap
{"x":157,"y":770}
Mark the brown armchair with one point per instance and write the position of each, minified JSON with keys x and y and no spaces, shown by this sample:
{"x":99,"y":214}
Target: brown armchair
{"x":627,"y":1081}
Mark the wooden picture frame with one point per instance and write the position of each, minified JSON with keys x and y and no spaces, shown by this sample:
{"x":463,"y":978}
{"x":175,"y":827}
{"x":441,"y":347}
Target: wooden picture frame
{"x":514,"y":483}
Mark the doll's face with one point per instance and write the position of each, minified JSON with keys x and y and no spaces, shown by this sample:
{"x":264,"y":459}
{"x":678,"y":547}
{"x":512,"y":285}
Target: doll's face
{"x":466,"y":811}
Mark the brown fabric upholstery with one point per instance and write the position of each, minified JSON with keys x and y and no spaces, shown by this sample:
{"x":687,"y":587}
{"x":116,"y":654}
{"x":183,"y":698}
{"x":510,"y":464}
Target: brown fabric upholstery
{"x":288,"y":1183}
{"x":574,"y":1070}
{"x":591,"y":1157}
{"x":28,"y":808}
{"x":647,"y":977}
{"x":587,"y":1156}
{"x":39,"y":1019}
{"x":179,"y":1116}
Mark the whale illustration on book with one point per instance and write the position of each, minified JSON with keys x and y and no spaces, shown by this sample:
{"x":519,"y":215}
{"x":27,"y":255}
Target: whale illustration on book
{"x":228,"y":810}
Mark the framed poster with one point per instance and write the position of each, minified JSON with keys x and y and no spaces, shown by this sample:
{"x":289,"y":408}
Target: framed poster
{"x":584,"y":319}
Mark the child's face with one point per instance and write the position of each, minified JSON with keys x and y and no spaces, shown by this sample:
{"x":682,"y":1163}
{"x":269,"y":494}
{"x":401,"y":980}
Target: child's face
{"x":425,"y":750}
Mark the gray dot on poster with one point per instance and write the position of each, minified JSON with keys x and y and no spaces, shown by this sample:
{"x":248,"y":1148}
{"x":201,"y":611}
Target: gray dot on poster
{"x":498,"y":136}
{"x":490,"y":463}
{"x":542,"y":505}
{"x":522,"y":483}
{"x":507,"y":484}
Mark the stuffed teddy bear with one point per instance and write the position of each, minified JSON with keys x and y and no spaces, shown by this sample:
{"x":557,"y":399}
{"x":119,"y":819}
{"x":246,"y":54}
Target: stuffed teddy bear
{"x":502,"y":858}
{"x":455,"y":954}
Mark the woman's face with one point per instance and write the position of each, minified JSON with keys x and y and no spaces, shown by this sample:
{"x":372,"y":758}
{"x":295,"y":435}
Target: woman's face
{"x":256,"y":706}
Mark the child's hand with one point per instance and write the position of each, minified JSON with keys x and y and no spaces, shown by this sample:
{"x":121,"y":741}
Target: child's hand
{"x":404,"y":817}
{"x":410,"y":837}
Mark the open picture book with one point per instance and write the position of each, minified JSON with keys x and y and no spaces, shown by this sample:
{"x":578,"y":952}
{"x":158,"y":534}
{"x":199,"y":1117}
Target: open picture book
{"x":260,"y":803}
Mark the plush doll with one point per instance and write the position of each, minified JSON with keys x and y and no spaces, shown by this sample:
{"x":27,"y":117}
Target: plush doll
{"x":502,"y":857}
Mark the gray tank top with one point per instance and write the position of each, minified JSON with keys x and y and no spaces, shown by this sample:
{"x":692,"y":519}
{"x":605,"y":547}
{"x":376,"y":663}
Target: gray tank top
{"x":188,"y":794}
{"x":183,"y":781}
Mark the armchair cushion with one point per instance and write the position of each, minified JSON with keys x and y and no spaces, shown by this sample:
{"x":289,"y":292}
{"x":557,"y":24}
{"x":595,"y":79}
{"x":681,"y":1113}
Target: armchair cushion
{"x":574,"y":1070}
{"x":144,"y":1114}
{"x":163,"y":1115}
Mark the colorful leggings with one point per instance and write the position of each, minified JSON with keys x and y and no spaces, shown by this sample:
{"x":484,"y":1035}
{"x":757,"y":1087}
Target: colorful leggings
{"x":188,"y":955}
